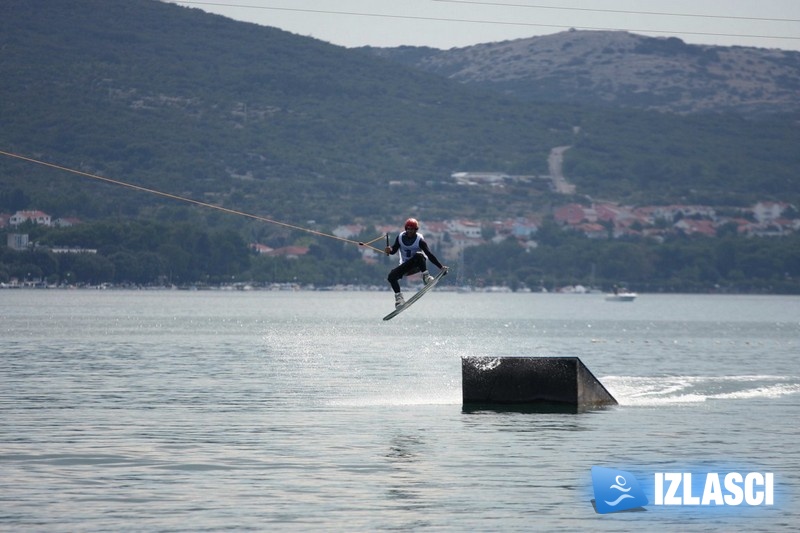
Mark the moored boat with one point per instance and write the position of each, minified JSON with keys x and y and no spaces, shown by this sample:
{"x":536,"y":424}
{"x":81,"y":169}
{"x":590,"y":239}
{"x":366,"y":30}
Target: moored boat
{"x":621,"y":297}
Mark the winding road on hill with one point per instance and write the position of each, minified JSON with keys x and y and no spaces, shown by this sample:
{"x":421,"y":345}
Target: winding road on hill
{"x":555,"y":163}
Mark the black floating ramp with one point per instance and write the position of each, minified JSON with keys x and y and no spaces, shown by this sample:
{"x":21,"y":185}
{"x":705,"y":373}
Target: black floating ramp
{"x":531,"y":384}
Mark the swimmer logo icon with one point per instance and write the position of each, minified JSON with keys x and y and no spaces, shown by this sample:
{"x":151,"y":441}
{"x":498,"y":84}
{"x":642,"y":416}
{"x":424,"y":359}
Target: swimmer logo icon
{"x":616,"y":490}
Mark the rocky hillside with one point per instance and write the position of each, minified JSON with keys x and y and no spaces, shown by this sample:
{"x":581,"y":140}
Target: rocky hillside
{"x":622,"y":69}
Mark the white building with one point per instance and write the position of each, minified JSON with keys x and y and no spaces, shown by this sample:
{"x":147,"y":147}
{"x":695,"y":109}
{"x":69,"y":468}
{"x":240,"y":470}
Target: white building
{"x":769,"y":211}
{"x":17,"y":241}
{"x":37,"y":217}
{"x":470,"y":229}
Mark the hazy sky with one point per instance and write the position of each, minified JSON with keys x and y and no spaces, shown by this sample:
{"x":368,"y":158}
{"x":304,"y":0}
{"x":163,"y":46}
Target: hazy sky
{"x":455,"y":23}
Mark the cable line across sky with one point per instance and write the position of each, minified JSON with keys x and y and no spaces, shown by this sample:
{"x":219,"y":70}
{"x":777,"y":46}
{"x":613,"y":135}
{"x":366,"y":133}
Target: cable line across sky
{"x":529,"y":24}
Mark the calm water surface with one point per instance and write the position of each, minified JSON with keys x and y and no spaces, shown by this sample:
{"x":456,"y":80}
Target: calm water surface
{"x":193,"y":411}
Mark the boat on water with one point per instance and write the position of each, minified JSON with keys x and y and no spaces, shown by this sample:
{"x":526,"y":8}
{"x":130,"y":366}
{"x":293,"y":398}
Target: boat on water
{"x":621,"y":294}
{"x":621,"y":297}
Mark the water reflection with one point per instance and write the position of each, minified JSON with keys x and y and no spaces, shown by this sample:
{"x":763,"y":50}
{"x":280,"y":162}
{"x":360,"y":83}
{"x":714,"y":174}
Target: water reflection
{"x":528,"y":408}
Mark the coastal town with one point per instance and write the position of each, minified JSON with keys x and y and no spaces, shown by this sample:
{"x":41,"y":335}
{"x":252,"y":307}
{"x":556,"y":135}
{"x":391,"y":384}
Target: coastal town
{"x":599,"y":220}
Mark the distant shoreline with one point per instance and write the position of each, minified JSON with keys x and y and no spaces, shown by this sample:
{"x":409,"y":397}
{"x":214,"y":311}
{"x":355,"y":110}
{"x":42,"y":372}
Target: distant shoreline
{"x":298,"y":287}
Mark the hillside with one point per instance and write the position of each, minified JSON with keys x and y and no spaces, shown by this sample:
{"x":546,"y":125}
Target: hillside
{"x":621,"y":69}
{"x":250,"y":116}
{"x":296,"y":129}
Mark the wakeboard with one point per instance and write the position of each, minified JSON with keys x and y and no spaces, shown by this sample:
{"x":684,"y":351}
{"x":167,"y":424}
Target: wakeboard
{"x":419,"y":294}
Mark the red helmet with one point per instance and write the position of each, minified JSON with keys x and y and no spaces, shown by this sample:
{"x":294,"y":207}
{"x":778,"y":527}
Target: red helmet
{"x":412,"y":223}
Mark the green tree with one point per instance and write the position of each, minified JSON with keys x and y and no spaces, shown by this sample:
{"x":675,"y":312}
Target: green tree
{"x":92,"y":268}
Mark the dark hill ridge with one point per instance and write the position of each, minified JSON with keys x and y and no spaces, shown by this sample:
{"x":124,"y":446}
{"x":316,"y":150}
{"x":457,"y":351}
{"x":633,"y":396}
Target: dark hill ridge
{"x":622,"y":69}
{"x":289,"y":127}
{"x":197,"y":103}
